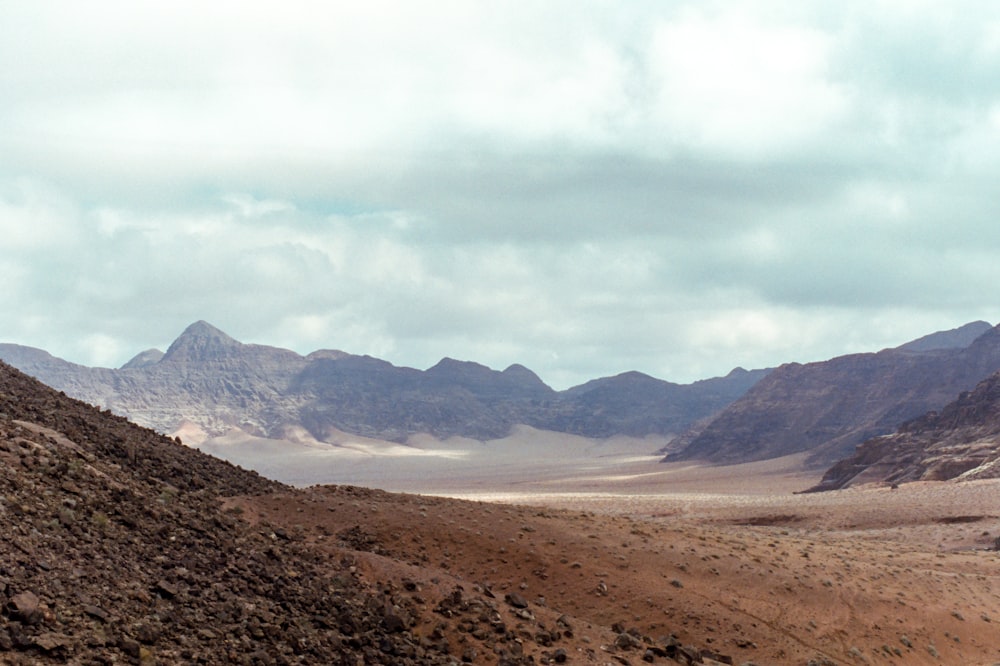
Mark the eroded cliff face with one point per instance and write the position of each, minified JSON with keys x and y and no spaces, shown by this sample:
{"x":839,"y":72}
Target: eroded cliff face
{"x":828,"y":408}
{"x":962,"y":441}
{"x":209,"y":383}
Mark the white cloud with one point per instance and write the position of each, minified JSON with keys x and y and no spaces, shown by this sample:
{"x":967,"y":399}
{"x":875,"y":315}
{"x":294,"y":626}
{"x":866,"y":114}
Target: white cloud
{"x":740,"y":88}
{"x":248,"y":206}
{"x":34,"y":216}
{"x":671,"y":187}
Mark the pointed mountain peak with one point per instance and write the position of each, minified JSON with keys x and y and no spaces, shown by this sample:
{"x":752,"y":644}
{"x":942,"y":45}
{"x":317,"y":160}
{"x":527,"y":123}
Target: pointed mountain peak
{"x":202,"y":329}
{"x":201,"y":342}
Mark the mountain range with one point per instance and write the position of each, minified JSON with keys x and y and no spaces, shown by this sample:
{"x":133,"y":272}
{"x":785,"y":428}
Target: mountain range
{"x":841,"y":412}
{"x":217,"y":384}
{"x":825,"y":409}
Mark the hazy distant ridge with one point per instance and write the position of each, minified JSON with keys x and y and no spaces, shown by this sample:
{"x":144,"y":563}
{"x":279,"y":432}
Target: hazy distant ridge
{"x":829,"y":407}
{"x":219,"y":384}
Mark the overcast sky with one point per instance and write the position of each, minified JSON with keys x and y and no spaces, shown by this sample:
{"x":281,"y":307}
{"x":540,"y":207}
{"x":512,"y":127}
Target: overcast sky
{"x":585,"y":188}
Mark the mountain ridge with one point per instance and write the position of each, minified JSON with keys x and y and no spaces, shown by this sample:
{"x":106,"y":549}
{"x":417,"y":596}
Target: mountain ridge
{"x":827,"y":408}
{"x":961,"y":441}
{"x":210,"y":379}
{"x":962,"y":336}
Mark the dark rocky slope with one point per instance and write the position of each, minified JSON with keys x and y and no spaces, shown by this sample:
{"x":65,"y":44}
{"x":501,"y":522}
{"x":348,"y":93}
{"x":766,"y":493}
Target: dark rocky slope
{"x":828,"y":408}
{"x":962,"y":441}
{"x":115,"y":550}
{"x":218,"y":383}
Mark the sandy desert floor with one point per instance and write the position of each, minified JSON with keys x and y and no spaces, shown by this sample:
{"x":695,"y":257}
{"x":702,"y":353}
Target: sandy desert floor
{"x":725,"y":559}
{"x":428,"y":465}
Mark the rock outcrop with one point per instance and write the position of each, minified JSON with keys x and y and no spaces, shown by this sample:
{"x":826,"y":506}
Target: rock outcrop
{"x":828,"y":408}
{"x":962,"y":441}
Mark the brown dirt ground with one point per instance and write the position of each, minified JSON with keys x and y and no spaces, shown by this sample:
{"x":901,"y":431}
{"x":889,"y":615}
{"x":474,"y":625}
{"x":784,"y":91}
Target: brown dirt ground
{"x":727,"y":559}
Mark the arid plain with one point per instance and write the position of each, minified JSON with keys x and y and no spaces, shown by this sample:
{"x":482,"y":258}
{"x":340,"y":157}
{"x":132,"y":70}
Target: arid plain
{"x":601,"y":534}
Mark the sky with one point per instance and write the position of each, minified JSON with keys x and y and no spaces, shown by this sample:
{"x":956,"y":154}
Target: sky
{"x":584,"y":187}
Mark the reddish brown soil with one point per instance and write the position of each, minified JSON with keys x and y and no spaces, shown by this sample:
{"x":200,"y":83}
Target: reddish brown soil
{"x":862,"y":576}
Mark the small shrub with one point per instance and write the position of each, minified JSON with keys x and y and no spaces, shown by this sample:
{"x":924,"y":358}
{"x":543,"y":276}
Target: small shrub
{"x":100,"y":520}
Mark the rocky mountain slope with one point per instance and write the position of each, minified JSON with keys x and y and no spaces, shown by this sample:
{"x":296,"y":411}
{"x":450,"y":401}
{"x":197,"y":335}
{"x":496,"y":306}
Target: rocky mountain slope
{"x":116,"y":549}
{"x":828,"y":408}
{"x":962,"y":441}
{"x":218,"y":383}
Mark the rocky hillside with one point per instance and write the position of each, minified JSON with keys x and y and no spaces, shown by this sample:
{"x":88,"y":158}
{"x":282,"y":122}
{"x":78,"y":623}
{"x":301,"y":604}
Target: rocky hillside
{"x":962,"y":441}
{"x":828,"y":408}
{"x":116,"y":550}
{"x":218,"y":383}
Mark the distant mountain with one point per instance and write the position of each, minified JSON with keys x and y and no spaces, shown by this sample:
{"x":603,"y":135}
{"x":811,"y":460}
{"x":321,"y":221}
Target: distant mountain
{"x":96,"y":384}
{"x":956,"y":338}
{"x":828,"y":408}
{"x":203,"y":343}
{"x":961,"y":441}
{"x":216,"y":382}
{"x":636,"y":404}
{"x":143,"y":359}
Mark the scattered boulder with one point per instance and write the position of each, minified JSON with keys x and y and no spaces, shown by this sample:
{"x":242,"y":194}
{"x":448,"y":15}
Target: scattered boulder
{"x":516,"y":600}
{"x":25,"y":607}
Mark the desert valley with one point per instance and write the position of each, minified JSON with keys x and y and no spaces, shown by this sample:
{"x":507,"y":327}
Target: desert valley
{"x":353,"y":512}
{"x":499,"y":333}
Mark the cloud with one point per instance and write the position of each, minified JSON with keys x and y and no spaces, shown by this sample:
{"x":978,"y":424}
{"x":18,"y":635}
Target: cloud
{"x":676,"y":187}
{"x":722,"y":84}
